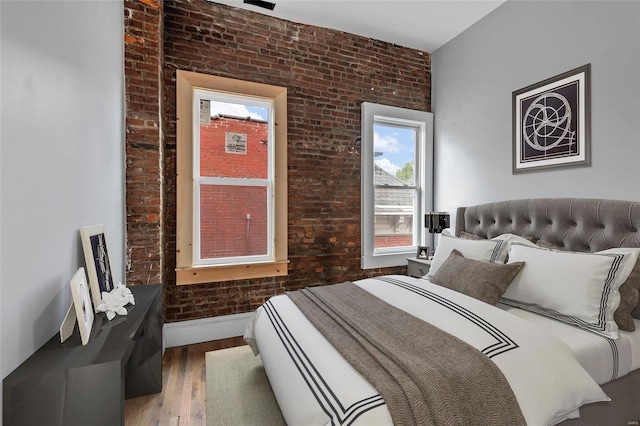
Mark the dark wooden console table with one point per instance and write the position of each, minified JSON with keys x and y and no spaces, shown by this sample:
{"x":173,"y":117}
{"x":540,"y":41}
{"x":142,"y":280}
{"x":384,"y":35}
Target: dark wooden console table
{"x":70,"y":384}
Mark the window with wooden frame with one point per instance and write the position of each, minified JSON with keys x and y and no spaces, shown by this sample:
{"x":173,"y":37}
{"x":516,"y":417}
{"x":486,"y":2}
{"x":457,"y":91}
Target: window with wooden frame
{"x":232,"y":179}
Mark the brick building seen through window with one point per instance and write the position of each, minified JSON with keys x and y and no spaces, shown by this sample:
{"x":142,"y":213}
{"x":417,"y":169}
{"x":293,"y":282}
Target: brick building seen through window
{"x":233,"y":220}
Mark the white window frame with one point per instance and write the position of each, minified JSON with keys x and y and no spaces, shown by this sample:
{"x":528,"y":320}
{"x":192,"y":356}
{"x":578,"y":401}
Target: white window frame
{"x":371,"y":114}
{"x":200,"y":181}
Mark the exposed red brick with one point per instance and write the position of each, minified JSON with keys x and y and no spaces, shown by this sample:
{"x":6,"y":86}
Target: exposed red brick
{"x":131,"y":39}
{"x":328,"y":75}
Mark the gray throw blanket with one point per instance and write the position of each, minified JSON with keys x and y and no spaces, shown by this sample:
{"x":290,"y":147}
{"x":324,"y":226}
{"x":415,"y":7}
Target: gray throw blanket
{"x":425,"y":375}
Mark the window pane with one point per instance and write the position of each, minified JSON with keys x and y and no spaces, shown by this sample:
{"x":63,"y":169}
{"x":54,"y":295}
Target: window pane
{"x":233,"y":140}
{"x":397,"y":154}
{"x":233,"y":221}
{"x":394,"y":152}
{"x":394,"y":211}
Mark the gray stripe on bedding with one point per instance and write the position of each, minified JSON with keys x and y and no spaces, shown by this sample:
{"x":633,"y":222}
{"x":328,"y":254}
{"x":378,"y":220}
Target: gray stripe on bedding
{"x":425,"y":375}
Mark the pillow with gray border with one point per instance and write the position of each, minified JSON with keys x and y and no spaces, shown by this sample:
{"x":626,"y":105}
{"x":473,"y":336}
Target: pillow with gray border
{"x":629,"y":294}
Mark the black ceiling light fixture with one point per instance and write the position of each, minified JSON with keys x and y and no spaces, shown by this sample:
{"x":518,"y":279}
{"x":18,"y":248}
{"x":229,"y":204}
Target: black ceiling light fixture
{"x":261,"y":3}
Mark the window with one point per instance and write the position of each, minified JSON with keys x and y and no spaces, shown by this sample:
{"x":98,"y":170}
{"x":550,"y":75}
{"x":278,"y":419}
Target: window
{"x":231,"y":182}
{"x":397,"y":176}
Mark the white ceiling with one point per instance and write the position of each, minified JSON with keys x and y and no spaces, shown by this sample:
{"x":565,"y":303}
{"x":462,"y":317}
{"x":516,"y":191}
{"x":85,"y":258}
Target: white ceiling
{"x":419,"y":24}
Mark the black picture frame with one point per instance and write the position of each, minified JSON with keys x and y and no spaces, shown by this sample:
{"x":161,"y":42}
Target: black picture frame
{"x":423,"y":252}
{"x":551,"y":123}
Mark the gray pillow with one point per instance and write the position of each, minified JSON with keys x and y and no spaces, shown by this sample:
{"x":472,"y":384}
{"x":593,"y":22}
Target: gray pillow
{"x":629,"y":295}
{"x":485,"y":281}
{"x":469,"y":236}
{"x":548,"y":245}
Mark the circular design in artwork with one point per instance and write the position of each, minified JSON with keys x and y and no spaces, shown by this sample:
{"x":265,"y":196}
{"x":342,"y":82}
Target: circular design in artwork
{"x":547,"y":121}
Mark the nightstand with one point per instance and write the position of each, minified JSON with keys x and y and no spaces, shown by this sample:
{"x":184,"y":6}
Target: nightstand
{"x":418,"y":267}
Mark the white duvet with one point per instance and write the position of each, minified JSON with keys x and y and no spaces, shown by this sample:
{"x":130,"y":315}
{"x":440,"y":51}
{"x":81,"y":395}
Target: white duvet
{"x":314,"y":385}
{"x":605,"y":359}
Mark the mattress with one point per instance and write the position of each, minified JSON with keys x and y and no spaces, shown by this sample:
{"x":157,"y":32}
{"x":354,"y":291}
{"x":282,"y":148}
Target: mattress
{"x":604,"y":359}
{"x":314,"y":385}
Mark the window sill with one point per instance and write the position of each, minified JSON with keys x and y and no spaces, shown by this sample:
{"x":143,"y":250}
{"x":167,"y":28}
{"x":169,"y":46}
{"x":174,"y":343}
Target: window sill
{"x":386,"y":260}
{"x":209,"y":274}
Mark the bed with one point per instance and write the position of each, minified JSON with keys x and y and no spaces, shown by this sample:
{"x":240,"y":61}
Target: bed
{"x":553,"y":358}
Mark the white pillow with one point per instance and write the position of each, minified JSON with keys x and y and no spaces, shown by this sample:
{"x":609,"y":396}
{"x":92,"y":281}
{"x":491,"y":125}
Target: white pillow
{"x":577,"y":288}
{"x":448,"y":232}
{"x":513,"y":238}
{"x":485,"y":250}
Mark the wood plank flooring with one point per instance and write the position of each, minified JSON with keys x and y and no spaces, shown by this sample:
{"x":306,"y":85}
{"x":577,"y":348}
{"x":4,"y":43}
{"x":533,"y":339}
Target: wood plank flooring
{"x":182,"y":400}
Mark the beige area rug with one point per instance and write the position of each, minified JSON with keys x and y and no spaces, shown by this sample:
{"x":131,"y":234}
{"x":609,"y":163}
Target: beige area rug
{"x":238,"y":391}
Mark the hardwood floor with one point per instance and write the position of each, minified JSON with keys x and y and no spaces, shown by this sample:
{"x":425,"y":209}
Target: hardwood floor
{"x":182,"y":400}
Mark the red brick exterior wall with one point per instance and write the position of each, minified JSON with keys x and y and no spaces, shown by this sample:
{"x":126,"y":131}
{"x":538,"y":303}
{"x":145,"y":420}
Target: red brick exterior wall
{"x":393,"y":240}
{"x":328,"y":75}
{"x":225,"y":230}
{"x":215,"y":162}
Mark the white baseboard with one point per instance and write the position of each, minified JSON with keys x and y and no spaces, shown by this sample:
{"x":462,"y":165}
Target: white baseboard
{"x":203,"y":330}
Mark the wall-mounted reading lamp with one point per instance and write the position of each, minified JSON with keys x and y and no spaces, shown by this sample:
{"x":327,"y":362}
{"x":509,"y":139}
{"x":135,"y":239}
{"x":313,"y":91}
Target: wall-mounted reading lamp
{"x":436,"y":222}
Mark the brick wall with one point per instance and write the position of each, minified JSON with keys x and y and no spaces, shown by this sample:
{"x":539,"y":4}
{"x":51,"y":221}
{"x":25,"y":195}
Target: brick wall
{"x":214,"y":161}
{"x":233,"y":221}
{"x":397,"y":240}
{"x":226,"y":230}
{"x":328,"y":75}
{"x":143,"y":21}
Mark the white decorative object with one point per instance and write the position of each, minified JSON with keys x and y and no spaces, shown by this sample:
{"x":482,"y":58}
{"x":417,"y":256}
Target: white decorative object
{"x":114,"y":301}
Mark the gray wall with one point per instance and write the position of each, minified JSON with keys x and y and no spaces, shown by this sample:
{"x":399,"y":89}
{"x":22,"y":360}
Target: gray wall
{"x":518,"y":44}
{"x":61,"y":161}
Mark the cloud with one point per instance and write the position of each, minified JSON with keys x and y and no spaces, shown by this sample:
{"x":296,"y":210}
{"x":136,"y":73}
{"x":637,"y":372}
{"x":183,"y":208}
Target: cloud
{"x":387,"y":143}
{"x":387,"y":166}
{"x":234,"y":109}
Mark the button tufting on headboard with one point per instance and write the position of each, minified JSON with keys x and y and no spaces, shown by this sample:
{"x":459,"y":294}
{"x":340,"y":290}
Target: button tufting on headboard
{"x":579,"y":224}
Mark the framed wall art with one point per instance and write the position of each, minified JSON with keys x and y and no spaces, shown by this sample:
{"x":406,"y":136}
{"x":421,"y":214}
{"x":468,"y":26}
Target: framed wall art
{"x":551,"y":123}
{"x":96,"y":255}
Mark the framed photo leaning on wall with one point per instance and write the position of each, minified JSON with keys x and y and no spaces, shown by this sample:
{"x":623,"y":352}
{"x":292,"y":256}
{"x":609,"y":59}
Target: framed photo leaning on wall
{"x":80,"y":310}
{"x":96,"y":255}
{"x":551,"y":122}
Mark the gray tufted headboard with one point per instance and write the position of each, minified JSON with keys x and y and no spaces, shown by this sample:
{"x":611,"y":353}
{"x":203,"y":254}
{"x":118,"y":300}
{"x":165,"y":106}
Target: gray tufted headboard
{"x":577,"y":224}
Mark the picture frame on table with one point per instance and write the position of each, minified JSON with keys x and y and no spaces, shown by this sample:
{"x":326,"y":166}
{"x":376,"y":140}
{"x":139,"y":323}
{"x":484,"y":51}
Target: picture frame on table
{"x":423,"y":252}
{"x":80,"y":309}
{"x":551,"y":122}
{"x":96,"y":254}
